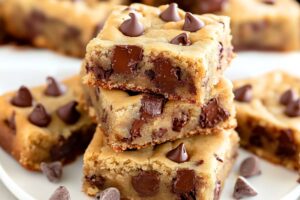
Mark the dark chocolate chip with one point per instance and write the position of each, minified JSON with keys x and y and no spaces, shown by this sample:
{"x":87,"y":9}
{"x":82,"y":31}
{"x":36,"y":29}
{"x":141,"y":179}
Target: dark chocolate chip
{"x":11,"y":121}
{"x":132,"y":27}
{"x":199,"y":162}
{"x":217,"y":191}
{"x":179,"y":122}
{"x":170,"y":14}
{"x":34,"y":23}
{"x":152,"y":105}
{"x":109,"y":194}
{"x":68,"y":113}
{"x":100,"y":73}
{"x":150,"y":74}
{"x":184,"y":184}
{"x":179,"y":154}
{"x":23,"y":98}
{"x":250,"y":167}
{"x":156,"y":134}
{"x":212,"y":114}
{"x":61,"y":193}
{"x":53,"y":171}
{"x":146,"y":183}
{"x":53,"y":88}
{"x":210,"y":6}
{"x":243,"y":94}
{"x":218,"y":158}
{"x":136,"y":126}
{"x":98,"y":28}
{"x":39,"y":116}
{"x":71,"y":33}
{"x":269,"y":2}
{"x":97,"y":181}
{"x":126,"y":58}
{"x":192,"y":23}
{"x":256,"y":136}
{"x":293,"y":109}
{"x":286,"y":144}
{"x":181,"y":39}
{"x":288,"y":97}
{"x":243,"y":189}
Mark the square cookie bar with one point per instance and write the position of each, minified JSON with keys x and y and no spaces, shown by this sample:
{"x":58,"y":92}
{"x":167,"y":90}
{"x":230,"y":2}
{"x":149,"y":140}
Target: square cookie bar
{"x":192,"y":168}
{"x":63,"y":25}
{"x":136,"y":120}
{"x":45,"y":123}
{"x":160,"y":50}
{"x":268,"y":114}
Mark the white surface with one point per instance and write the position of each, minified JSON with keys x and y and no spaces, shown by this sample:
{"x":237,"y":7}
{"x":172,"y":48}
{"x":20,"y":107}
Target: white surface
{"x":30,"y":67}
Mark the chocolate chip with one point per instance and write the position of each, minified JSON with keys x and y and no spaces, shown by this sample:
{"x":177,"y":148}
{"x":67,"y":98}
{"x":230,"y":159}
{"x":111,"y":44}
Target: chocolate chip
{"x":159,"y":133}
{"x":243,"y":189}
{"x":146,"y":183}
{"x":199,"y":162}
{"x":132,"y":27}
{"x":179,"y":154}
{"x":109,"y":194}
{"x":212,"y":114}
{"x":243,"y":94}
{"x":97,"y":181}
{"x":250,"y":167}
{"x":39,"y":116}
{"x":185,"y":183}
{"x":152,"y":105}
{"x":11,"y":121}
{"x":68,"y":113}
{"x":53,"y":88}
{"x":256,"y":136}
{"x":210,"y":6}
{"x":293,"y":109}
{"x":170,"y":14}
{"x":61,"y":193}
{"x":286,"y":144}
{"x":136,"y":126}
{"x":98,"y":28}
{"x":150,"y":74}
{"x":71,"y":33}
{"x":23,"y":98}
{"x":34,"y":23}
{"x":288,"y":97}
{"x":100,"y":73}
{"x":269,"y":2}
{"x":181,"y":39}
{"x":179,"y":122}
{"x":217,"y":191}
{"x":192,"y":23}
{"x":53,"y":171}
{"x":218,"y":158}
{"x":125,"y":58}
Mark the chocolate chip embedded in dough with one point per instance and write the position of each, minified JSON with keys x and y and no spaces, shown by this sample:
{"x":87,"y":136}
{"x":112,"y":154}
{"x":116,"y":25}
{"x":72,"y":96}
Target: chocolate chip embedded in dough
{"x":170,"y":14}
{"x":68,"y":113}
{"x":179,"y":154}
{"x":181,"y":39}
{"x":192,"y":23}
{"x":244,"y":93}
{"x":132,"y":27}
{"x":288,"y":97}
{"x":146,"y":183}
{"x":97,"y":181}
{"x":185,"y":183}
{"x":39,"y":116}
{"x":53,"y":88}
{"x":293,"y":109}
{"x":179,"y":122}
{"x":23,"y":98}
{"x":269,"y":2}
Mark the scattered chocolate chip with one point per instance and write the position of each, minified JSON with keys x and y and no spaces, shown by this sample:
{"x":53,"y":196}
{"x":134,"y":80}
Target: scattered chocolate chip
{"x":23,"y":98}
{"x":132,"y":27}
{"x":184,"y":184}
{"x":243,"y":189}
{"x":125,"y":58}
{"x":217,"y":191}
{"x":192,"y":23}
{"x":146,"y":183}
{"x":179,"y":122}
{"x":53,"y":171}
{"x":286,"y":144}
{"x":97,"y":181}
{"x":39,"y":116}
{"x":293,"y":109}
{"x":243,"y":94}
{"x":61,"y":193}
{"x":181,"y":39}
{"x":288,"y":97}
{"x":150,"y":74}
{"x":109,"y":194}
{"x":269,"y":2}
{"x":212,"y":114}
{"x":199,"y":162}
{"x":170,"y":14}
{"x":53,"y":88}
{"x":68,"y":113}
{"x":159,"y":133}
{"x":250,"y":167}
{"x":152,"y":105}
{"x":218,"y":158}
{"x":179,"y":154}
{"x":11,"y":121}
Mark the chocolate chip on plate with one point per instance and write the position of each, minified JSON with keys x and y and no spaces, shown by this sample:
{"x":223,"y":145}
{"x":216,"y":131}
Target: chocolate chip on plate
{"x":293,"y":109}
{"x":181,"y":39}
{"x":68,"y":113}
{"x":39,"y":116}
{"x":179,"y":154}
{"x":61,"y":193}
{"x":170,"y":14}
{"x":53,"y":171}
{"x":53,"y":88}
{"x":23,"y":98}
{"x":132,"y":27}
{"x":146,"y":183}
{"x":192,"y":23}
{"x":250,"y":167}
{"x":243,"y":94}
{"x":109,"y":194}
{"x":243,"y":189}
{"x":288,"y":97}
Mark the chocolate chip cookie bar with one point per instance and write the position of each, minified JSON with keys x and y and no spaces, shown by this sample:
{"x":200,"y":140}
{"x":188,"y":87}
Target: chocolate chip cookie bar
{"x":45,"y":123}
{"x":268,"y":114}
{"x":63,"y":25}
{"x":191,"y":168}
{"x":136,"y":120}
{"x":160,"y":50}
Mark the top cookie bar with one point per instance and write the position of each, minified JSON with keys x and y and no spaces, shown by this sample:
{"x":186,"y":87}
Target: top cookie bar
{"x":161,"y":50}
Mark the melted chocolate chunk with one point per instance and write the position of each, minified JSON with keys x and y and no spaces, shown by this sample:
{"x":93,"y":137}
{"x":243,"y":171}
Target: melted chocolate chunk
{"x":212,"y":114}
{"x":97,"y":181}
{"x":99,"y":72}
{"x":39,"y":116}
{"x":293,"y":109}
{"x":250,"y":167}
{"x":243,"y":94}
{"x":146,"y":183}
{"x":23,"y":98}
{"x":53,"y":88}
{"x":288,"y":97}
{"x":243,"y":189}
{"x":179,"y":154}
{"x":53,"y":171}
{"x":170,"y":14}
{"x":126,"y":58}
{"x":132,"y":27}
{"x":179,"y":122}
{"x":61,"y":193}
{"x":185,"y":183}
{"x":192,"y":23}
{"x":150,"y":74}
{"x":135,"y":130}
{"x":156,"y":134}
{"x":181,"y":39}
{"x":109,"y":194}
{"x":11,"y":122}
{"x":286,"y":144}
{"x":217,"y":191}
{"x":68,"y":113}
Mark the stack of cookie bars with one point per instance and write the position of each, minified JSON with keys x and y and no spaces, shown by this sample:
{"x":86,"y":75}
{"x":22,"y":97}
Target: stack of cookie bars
{"x":153,"y":81}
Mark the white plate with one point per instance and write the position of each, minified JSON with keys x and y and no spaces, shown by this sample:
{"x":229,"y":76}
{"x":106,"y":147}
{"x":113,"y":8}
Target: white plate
{"x":30,"y":67}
